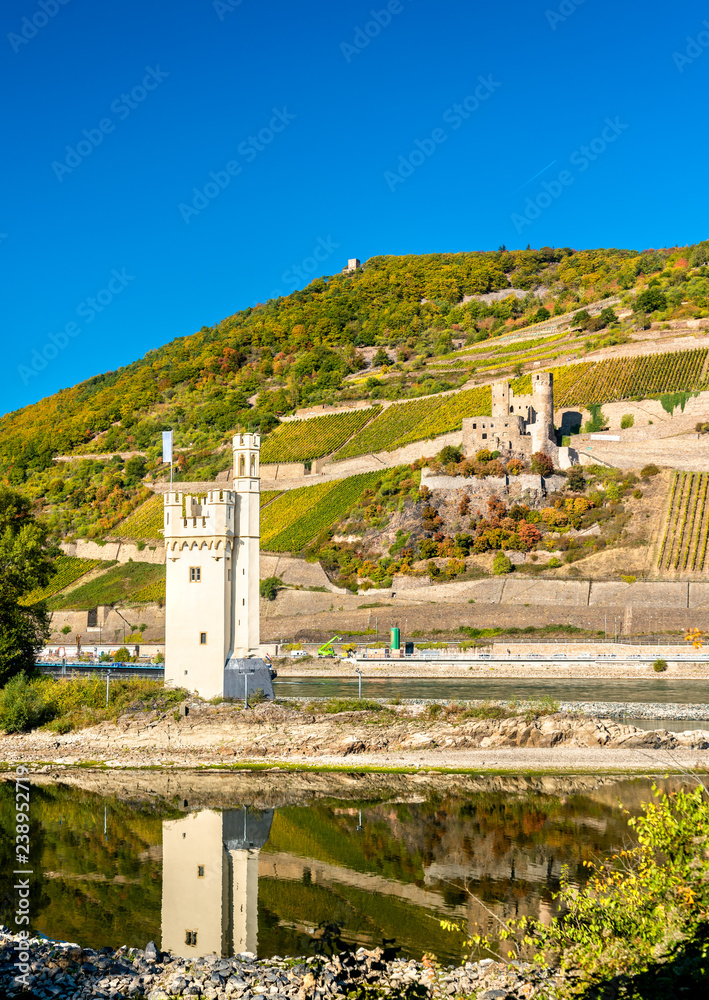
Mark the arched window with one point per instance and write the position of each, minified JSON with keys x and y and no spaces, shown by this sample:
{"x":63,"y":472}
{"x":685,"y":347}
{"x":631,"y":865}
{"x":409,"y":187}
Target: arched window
{"x":242,"y":465}
{"x":253,"y":465}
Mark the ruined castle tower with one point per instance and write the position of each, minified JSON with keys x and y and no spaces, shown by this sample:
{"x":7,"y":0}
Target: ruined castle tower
{"x":500,"y":400}
{"x":212,"y":587}
{"x":542,"y":430}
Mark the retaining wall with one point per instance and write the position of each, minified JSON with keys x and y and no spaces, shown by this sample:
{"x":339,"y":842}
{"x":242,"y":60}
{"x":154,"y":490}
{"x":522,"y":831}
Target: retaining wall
{"x":122,"y":552}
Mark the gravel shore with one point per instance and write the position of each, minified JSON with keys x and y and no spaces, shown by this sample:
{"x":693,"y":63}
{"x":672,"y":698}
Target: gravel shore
{"x":62,"y":970}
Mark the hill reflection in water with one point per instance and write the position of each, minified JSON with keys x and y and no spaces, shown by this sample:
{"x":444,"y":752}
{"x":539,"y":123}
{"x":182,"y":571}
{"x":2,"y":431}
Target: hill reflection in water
{"x":262,"y":863}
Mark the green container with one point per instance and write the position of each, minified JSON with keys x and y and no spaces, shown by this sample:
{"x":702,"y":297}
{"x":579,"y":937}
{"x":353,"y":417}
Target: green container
{"x":395,"y":638}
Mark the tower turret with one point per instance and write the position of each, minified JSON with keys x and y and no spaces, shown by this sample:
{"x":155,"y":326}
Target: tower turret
{"x":542,"y":429}
{"x":247,"y":486}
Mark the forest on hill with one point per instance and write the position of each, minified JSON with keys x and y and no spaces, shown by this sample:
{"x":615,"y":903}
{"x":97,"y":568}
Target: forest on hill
{"x":401,"y":317}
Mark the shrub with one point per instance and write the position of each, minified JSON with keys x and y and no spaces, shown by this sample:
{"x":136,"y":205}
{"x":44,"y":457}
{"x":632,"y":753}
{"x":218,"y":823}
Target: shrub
{"x":638,"y":927}
{"x":629,"y":579}
{"x":659,"y":666}
{"x":515,"y":467}
{"x":553,"y":563}
{"x":626,"y":421}
{"x":484,"y":455}
{"x":121,"y":655}
{"x":637,"y":494}
{"x":23,"y":705}
{"x":597,"y":421}
{"x":450,"y":454}
{"x":542,"y":464}
{"x":268,"y":588}
{"x":159,"y":658}
{"x":649,"y":470}
{"x":501,"y":564}
{"x":575,"y":479}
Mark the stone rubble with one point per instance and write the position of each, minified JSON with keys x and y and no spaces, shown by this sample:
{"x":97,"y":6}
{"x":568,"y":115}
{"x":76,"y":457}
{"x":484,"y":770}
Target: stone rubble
{"x":62,"y":970}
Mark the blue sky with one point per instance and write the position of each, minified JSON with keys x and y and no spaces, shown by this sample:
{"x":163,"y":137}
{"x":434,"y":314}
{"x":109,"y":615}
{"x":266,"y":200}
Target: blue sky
{"x":171,"y":161}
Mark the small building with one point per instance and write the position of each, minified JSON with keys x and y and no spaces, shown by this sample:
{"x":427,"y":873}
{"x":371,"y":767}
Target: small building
{"x":352,"y":265}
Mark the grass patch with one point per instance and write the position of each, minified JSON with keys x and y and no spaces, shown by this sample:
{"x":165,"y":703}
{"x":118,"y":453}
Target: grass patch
{"x":334,"y":706}
{"x":118,"y":584}
{"x":65,"y":705}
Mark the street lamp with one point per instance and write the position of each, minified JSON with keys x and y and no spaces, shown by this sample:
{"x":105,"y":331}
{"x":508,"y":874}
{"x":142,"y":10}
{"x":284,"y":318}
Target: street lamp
{"x":359,"y":675}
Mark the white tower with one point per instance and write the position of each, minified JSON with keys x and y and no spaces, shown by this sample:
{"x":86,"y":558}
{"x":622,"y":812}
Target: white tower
{"x":247,"y":485}
{"x":210,"y":882}
{"x":212,"y":586}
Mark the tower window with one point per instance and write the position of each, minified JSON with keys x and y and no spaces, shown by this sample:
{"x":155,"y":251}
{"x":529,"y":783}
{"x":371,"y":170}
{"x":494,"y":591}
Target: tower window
{"x":203,"y":638}
{"x":200,"y":871}
{"x":243,"y":601}
{"x":242,"y":466}
{"x":191,"y":938}
{"x":228,"y":575}
{"x":195,"y":574}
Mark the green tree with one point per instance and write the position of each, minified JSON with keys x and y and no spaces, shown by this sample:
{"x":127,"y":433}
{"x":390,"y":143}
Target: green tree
{"x":268,"y":588}
{"x":650,"y":300}
{"x":501,"y":564}
{"x":26,"y":564}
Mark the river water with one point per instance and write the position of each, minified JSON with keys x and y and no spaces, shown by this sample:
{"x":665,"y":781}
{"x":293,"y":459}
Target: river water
{"x":274,"y":863}
{"x":595,"y":694}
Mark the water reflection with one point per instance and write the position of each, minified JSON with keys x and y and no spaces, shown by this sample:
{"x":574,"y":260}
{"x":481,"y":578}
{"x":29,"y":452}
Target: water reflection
{"x":210,"y":881}
{"x":232,"y":863}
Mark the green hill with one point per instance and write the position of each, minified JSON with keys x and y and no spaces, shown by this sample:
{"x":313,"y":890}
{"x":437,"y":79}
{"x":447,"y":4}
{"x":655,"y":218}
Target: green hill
{"x":315,"y":347}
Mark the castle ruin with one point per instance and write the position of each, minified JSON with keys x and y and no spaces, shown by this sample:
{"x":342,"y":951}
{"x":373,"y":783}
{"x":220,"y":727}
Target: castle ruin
{"x":519,"y":426}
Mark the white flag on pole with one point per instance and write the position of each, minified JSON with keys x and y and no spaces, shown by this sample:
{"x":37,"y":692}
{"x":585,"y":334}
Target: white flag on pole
{"x":167,"y":447}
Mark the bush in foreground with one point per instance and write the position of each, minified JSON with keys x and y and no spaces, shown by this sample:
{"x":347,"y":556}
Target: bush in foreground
{"x":62,"y":705}
{"x":639,"y":928}
{"x":24,"y":705}
{"x":659,"y":666}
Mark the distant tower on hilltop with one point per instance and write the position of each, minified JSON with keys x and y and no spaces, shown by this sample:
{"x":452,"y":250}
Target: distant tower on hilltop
{"x":212,"y":627}
{"x":353,"y":264}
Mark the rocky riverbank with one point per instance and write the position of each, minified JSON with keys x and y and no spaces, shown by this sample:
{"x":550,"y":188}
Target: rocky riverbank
{"x":60,"y":970}
{"x":398,"y":736}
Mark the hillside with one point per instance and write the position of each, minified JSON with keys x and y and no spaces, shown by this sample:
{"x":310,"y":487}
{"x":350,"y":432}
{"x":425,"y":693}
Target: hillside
{"x":404,"y":350}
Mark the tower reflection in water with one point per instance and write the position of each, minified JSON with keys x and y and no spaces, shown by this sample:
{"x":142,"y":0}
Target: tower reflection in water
{"x":210,"y":882}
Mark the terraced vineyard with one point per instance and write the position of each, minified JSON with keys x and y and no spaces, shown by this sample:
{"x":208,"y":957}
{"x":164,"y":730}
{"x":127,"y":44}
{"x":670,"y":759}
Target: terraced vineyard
{"x":68,"y":570}
{"x":305,"y":440}
{"x":684,"y":543}
{"x":152,"y":593}
{"x":143,"y":524}
{"x":288,"y":508}
{"x":119,"y":584}
{"x":404,"y":423}
{"x":292,"y":521}
{"x":623,"y":378}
